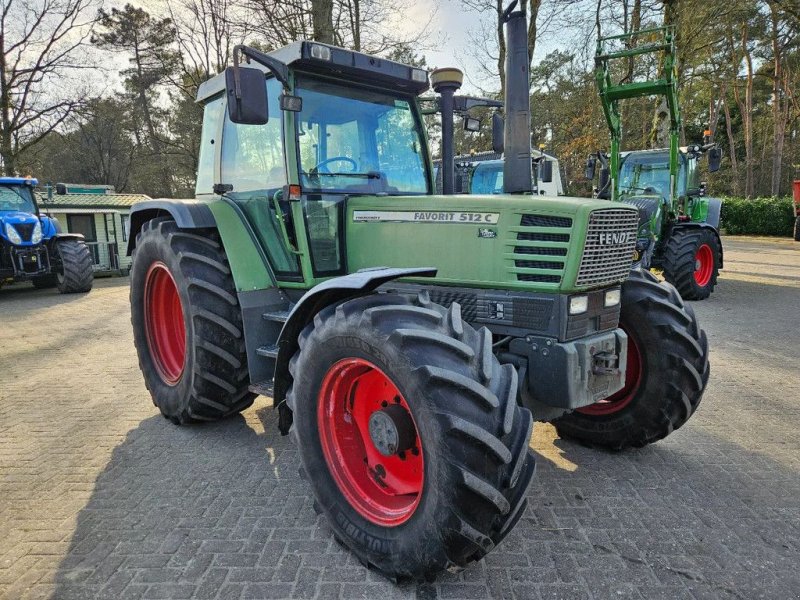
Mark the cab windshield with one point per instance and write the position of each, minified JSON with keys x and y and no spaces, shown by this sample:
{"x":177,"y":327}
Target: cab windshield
{"x":354,"y":140}
{"x":648,"y":174}
{"x":16,"y":198}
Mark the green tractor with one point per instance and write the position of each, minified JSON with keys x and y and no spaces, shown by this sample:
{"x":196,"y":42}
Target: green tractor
{"x":679,"y":225}
{"x":408,"y":340}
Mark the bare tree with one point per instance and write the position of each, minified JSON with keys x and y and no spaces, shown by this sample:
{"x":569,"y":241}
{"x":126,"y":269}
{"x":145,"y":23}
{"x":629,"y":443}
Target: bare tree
{"x":40,"y":47}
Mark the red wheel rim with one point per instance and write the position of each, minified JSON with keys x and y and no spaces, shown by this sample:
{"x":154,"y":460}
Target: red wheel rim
{"x":703,"y":265}
{"x":621,"y":399}
{"x":385,"y":490}
{"x":163,"y":314}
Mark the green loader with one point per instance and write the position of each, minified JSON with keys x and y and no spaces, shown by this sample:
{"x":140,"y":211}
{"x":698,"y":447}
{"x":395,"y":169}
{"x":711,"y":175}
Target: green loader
{"x":408,"y":340}
{"x":679,"y":225}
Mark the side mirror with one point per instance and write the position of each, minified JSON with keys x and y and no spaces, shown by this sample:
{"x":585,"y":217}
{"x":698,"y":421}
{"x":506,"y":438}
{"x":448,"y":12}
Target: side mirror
{"x":604,"y":187}
{"x":714,"y":159}
{"x":546,"y":167}
{"x":247,"y":101}
{"x":591,"y":167}
{"x":472,"y":125}
{"x":498,"y":131}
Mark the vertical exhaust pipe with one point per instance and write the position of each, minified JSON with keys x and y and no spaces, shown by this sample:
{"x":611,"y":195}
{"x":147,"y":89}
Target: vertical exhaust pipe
{"x":517,"y":173}
{"x":446,"y":82}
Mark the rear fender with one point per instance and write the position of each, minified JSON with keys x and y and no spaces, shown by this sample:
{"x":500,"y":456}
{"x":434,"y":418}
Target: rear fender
{"x":332,"y":291}
{"x":188,"y":214}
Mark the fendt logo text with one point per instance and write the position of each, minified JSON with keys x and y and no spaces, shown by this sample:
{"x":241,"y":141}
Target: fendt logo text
{"x":615,"y":238}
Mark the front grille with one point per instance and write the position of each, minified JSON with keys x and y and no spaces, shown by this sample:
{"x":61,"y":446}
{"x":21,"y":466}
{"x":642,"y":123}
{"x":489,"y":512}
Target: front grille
{"x":25,"y":230}
{"x":610,"y":242}
{"x":467,"y":300}
{"x":540,"y":248}
{"x":545,"y":221}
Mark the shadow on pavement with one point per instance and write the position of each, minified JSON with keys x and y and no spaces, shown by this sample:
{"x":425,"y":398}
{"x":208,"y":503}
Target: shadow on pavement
{"x":218,"y":510}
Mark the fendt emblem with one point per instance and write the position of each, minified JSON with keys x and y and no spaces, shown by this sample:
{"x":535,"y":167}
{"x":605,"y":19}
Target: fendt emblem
{"x":615,"y":238}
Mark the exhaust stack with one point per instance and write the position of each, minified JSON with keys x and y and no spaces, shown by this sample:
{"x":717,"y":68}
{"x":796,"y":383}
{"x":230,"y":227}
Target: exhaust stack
{"x":517,"y":174}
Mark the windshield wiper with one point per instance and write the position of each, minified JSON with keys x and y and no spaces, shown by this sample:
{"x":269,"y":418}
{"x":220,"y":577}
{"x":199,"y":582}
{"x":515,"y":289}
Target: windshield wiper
{"x":367,"y":175}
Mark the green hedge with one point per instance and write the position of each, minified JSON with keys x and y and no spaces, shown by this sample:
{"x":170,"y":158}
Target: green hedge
{"x":759,"y":216}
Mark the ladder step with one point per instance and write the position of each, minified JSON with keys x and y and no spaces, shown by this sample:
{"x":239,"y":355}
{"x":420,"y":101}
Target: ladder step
{"x":270,"y":351}
{"x":263,"y":388}
{"x":279,"y":316}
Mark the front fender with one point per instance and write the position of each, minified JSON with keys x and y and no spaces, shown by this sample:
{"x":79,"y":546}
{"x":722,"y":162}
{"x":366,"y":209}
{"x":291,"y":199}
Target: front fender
{"x":188,"y":214}
{"x":314,"y":300}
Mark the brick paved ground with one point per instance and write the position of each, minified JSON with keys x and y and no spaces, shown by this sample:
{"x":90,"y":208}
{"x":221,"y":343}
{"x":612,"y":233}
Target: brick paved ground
{"x":101,"y":497}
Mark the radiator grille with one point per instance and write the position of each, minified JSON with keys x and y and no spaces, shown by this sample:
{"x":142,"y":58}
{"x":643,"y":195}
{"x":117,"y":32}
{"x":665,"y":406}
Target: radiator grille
{"x":25,"y":230}
{"x":610,"y":242}
{"x":543,"y":261}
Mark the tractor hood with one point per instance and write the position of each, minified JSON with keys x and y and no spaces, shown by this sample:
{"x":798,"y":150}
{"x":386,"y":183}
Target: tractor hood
{"x":23,"y":223}
{"x":505,"y":242}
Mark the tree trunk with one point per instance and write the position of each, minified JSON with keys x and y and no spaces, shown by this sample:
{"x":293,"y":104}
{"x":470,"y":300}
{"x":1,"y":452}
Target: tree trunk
{"x":322,"y":20}
{"x":747,"y":116}
{"x":501,"y":48}
{"x":778,"y":102}
{"x":6,"y":149}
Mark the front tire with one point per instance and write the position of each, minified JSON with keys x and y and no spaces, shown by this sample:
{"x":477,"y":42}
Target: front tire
{"x":691,"y":262}
{"x":667,"y":371}
{"x":452,"y":483}
{"x":75,"y":274}
{"x":187,"y":324}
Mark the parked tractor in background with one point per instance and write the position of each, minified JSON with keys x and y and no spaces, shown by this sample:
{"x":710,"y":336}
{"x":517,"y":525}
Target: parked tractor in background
{"x":482,"y":173}
{"x":678,"y":225}
{"x":32,"y":246}
{"x":408,"y":340}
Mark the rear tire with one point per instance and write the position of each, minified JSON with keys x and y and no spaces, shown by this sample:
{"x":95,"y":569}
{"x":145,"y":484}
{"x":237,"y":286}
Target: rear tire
{"x":797,"y":228}
{"x":187,"y":324}
{"x":75,"y":274}
{"x":673,"y":364}
{"x":471,"y":434}
{"x":691,"y":262}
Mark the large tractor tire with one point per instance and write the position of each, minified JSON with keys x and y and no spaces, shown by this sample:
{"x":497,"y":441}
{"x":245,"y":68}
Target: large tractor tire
{"x":187,"y":324}
{"x":409,"y":433}
{"x":75,"y":274}
{"x":691,"y":262}
{"x":797,"y":228}
{"x":667,"y":371}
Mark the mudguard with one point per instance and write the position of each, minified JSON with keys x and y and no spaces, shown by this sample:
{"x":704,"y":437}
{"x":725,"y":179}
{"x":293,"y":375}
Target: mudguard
{"x":714,"y":210}
{"x":333,"y":290}
{"x":188,"y":214}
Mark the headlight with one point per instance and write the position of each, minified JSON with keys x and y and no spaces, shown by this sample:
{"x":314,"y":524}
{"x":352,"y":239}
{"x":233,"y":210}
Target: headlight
{"x":320,"y":52}
{"x":12,"y":235}
{"x":612,"y":298}
{"x":36,"y":236}
{"x":578,"y":305}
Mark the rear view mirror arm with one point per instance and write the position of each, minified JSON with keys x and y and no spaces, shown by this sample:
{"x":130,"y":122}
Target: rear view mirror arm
{"x":277,"y":68}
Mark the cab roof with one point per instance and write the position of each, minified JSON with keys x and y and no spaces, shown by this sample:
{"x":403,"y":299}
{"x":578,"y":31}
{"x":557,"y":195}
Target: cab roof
{"x":19,"y":181}
{"x":342,"y":63}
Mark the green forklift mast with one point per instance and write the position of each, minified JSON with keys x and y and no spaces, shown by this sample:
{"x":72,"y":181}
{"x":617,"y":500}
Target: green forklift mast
{"x":611,"y":93}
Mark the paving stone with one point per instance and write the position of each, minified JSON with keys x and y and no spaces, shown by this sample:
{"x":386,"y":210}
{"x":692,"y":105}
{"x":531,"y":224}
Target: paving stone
{"x":100,"y":497}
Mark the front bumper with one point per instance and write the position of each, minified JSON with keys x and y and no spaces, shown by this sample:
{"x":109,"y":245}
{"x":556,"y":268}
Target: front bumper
{"x":23,"y":262}
{"x":573,"y":374}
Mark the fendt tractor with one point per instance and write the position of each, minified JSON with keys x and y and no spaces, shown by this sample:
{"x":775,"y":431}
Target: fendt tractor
{"x":408,"y":340}
{"x":33,"y":247}
{"x":678,"y":225}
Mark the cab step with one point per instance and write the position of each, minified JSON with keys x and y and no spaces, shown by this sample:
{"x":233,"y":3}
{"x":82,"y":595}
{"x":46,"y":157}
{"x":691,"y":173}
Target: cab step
{"x":278,"y":316}
{"x":270,"y":351}
{"x":263,"y":388}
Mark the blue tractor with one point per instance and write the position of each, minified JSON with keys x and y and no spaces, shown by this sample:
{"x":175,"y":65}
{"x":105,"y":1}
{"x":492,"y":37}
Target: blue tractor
{"x":32,"y":246}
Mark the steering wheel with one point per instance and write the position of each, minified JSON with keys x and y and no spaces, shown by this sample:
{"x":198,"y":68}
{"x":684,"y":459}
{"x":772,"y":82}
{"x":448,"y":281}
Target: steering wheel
{"x":318,"y":168}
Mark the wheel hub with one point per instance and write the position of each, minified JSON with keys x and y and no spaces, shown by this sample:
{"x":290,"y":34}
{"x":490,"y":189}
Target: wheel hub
{"x":370,"y":442}
{"x":392,"y":430}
